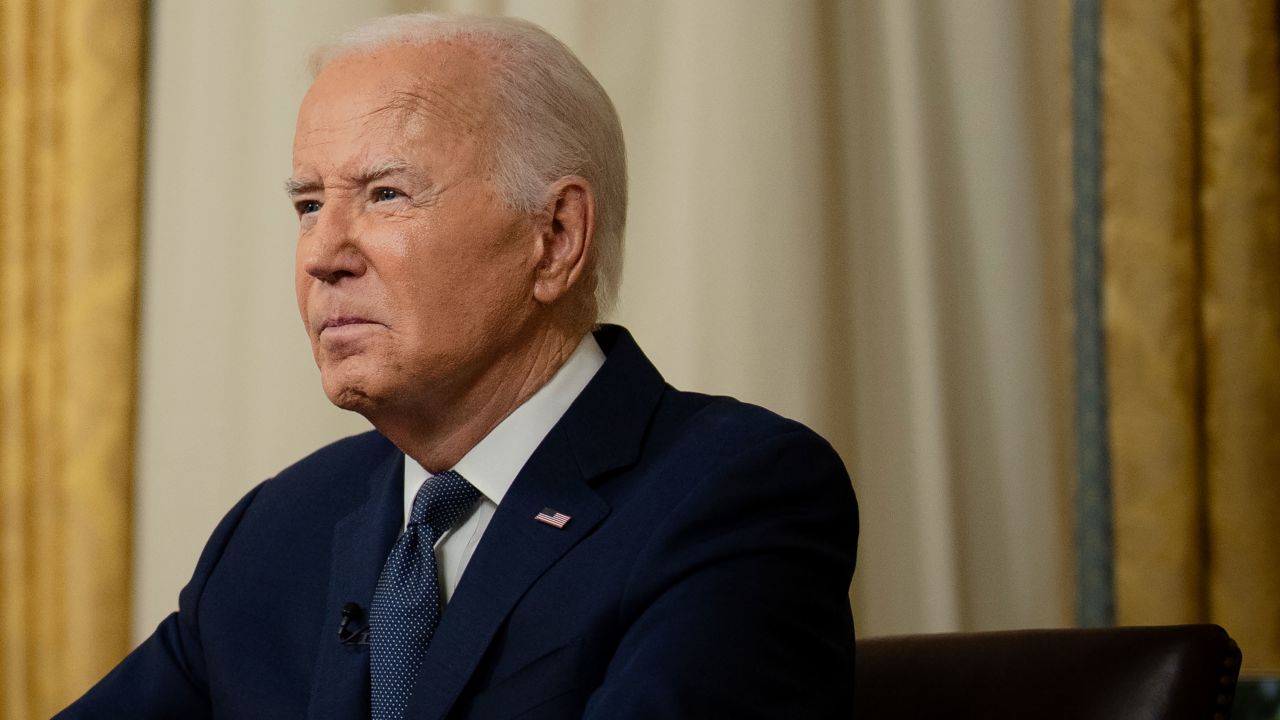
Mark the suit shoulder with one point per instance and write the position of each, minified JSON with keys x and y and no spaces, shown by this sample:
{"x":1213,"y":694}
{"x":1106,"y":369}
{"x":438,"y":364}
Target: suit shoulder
{"x":334,"y":466}
{"x":702,"y":418}
{"x":354,"y":448}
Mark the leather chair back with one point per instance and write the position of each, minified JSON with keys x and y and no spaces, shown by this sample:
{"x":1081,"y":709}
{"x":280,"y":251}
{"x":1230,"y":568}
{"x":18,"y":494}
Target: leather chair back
{"x":1172,"y":673}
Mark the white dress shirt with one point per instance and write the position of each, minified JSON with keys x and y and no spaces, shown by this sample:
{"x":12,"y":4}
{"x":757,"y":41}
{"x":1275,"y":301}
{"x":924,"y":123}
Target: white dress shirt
{"x":493,"y":463}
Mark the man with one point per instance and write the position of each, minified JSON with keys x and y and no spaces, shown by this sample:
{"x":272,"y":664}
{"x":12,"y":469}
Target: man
{"x":540,"y":527}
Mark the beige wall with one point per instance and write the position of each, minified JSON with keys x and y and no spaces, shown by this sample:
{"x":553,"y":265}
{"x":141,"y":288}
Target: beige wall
{"x":837,"y":212}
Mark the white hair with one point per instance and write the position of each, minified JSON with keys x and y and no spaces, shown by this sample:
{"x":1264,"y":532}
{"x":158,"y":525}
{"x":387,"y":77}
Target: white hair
{"x":556,"y":119}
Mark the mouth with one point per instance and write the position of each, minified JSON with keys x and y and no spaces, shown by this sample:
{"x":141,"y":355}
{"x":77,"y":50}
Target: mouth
{"x":341,"y":321}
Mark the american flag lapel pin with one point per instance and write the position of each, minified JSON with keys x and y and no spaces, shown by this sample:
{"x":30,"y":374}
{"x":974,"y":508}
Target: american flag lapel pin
{"x":553,"y":518}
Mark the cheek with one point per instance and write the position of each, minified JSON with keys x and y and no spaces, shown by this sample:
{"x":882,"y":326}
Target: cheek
{"x":301,"y":288}
{"x":299,"y":285}
{"x":454,"y":278}
{"x":396,"y":246}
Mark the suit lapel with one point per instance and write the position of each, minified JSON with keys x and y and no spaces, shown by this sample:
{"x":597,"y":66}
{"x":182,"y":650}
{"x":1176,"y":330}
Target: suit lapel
{"x":515,"y":551}
{"x":361,"y":542}
{"x":601,"y":431}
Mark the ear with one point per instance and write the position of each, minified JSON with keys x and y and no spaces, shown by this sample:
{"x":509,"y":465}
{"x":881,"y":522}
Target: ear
{"x":566,"y":239}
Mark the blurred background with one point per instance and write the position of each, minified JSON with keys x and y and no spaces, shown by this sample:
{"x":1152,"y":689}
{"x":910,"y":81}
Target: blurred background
{"x":1019,"y":261}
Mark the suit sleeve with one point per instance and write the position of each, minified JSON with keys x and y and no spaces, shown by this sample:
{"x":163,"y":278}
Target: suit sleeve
{"x":165,"y":676}
{"x":738,"y":606}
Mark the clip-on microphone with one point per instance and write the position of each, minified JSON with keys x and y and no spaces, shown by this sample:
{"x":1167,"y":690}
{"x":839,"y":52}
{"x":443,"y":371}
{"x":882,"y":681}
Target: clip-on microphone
{"x":358,"y":636}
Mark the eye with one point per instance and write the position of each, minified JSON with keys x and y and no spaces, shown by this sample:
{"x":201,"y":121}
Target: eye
{"x":385,"y":194}
{"x":306,"y":207}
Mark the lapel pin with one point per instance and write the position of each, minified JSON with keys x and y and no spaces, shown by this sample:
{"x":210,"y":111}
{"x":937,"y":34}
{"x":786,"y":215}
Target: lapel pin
{"x":553,"y":518}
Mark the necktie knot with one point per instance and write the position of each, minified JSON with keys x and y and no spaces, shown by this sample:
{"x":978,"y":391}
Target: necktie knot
{"x":441,"y":501}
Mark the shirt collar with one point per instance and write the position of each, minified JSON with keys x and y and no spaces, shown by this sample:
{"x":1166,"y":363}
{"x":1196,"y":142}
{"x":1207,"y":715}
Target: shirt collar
{"x":492,"y":465}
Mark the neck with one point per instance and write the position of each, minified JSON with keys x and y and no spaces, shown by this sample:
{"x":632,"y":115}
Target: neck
{"x":437,"y":433}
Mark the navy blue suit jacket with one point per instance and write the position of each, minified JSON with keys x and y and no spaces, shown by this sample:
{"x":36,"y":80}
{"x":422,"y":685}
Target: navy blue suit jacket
{"x":704,"y":574}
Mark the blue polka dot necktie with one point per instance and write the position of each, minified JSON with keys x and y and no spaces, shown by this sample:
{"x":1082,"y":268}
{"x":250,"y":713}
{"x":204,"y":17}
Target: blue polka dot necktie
{"x":406,"y":604}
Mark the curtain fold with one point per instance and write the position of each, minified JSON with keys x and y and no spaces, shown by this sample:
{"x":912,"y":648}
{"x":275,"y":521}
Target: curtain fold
{"x":1240,"y":204}
{"x":1150,"y":255}
{"x":70,"y":137}
{"x":1191,"y":239}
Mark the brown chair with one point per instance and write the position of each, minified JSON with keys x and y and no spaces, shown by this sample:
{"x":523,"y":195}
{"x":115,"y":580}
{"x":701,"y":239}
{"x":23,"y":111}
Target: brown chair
{"x":1129,"y":673}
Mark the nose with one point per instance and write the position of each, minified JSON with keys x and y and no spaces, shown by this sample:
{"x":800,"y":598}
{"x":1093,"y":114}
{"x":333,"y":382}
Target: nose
{"x":330,"y":252}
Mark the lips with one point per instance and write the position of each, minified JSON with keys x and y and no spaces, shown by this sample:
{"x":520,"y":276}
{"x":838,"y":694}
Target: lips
{"x":344,"y":320}
{"x":338,"y":321}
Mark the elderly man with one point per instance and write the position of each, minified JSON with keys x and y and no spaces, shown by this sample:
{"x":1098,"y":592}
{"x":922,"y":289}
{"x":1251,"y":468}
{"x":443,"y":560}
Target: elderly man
{"x":540,"y":527}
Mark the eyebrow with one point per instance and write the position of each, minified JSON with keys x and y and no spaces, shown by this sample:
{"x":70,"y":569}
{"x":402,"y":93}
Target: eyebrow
{"x":370,"y":173}
{"x":295,"y":187}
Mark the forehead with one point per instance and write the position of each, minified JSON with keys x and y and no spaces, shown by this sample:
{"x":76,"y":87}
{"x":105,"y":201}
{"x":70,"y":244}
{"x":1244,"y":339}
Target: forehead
{"x":400,"y":88}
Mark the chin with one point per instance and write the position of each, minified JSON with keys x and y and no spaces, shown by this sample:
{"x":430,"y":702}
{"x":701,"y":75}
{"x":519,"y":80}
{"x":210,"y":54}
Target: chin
{"x":349,"y":393}
{"x":350,"y":383}
{"x":352,"y":399}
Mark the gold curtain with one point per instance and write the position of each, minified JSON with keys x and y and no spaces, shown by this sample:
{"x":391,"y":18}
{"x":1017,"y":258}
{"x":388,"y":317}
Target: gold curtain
{"x":70,"y":138}
{"x":1191,"y":233}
